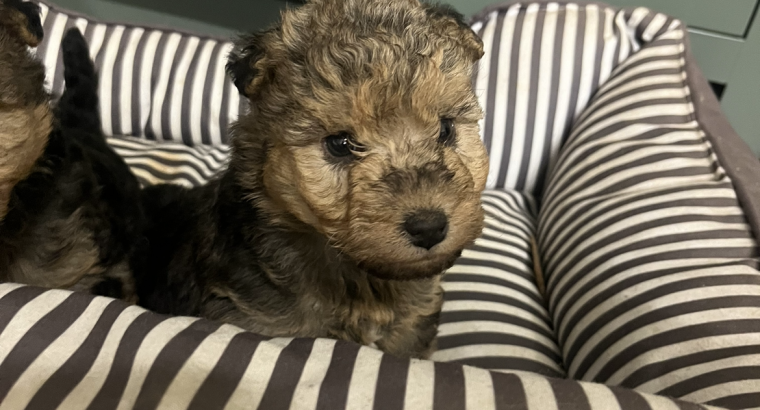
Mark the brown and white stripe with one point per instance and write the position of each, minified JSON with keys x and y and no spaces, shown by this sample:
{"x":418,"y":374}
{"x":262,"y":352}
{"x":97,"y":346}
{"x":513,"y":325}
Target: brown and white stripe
{"x":62,"y":350}
{"x":154,"y":83}
{"x":652,"y":268}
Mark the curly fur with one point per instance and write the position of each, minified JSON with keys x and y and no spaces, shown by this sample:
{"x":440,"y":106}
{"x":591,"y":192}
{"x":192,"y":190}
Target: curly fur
{"x":290,"y":241}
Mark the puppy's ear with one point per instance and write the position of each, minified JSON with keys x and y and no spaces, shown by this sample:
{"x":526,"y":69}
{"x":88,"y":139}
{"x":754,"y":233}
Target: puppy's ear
{"x":247,"y":64}
{"x":453,"y":25}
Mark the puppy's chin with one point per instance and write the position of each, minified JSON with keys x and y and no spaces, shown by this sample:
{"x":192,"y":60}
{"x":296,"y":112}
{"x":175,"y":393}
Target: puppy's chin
{"x":410,"y":270}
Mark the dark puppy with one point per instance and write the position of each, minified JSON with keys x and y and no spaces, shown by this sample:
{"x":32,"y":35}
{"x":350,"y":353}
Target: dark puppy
{"x":74,"y":221}
{"x":354,"y":182}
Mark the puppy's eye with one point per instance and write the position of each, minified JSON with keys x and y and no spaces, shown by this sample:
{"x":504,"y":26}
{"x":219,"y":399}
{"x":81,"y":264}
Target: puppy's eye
{"x":340,"y":145}
{"x":448,"y":132}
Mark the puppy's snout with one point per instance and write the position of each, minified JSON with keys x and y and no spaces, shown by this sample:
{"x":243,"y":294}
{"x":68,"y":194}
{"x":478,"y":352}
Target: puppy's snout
{"x":427,"y":228}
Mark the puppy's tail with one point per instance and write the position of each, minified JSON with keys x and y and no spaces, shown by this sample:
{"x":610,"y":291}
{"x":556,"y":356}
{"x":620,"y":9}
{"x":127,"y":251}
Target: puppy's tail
{"x":78,"y":106}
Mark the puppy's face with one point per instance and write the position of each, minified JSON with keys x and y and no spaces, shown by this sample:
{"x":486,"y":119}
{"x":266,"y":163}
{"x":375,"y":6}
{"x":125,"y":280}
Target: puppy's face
{"x":364,"y":125}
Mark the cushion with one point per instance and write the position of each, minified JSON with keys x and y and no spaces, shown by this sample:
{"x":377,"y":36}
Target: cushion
{"x":67,"y":350}
{"x":156,"y":84}
{"x":650,"y":262}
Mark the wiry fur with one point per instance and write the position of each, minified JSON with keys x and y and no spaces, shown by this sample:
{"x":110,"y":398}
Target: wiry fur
{"x":74,"y":221}
{"x":292,"y":242}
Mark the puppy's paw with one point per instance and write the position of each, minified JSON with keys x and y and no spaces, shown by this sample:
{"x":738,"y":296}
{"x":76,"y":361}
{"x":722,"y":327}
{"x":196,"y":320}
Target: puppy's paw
{"x":21,"y":21}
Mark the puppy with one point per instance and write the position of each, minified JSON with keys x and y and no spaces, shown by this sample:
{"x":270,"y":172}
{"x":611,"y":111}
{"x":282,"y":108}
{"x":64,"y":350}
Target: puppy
{"x":354,"y":182}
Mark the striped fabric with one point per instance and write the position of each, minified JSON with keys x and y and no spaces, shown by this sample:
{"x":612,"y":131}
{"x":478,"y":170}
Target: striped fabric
{"x":652,"y":269}
{"x":171,"y":163}
{"x":493,"y":315}
{"x":154,"y":84}
{"x":62,"y":350}
{"x":542,"y":63}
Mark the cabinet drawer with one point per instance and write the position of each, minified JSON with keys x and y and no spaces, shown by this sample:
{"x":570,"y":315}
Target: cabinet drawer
{"x":722,"y":16}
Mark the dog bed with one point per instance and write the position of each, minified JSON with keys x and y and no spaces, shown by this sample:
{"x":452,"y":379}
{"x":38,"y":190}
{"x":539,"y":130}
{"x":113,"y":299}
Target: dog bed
{"x":618,"y":268}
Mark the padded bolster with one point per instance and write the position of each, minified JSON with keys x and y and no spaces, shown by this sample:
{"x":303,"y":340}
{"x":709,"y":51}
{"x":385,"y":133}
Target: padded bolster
{"x":651,"y":265}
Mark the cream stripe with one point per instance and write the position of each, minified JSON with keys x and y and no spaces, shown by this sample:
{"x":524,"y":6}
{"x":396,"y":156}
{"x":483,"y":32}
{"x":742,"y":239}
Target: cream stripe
{"x":152,"y":345}
{"x":83,"y":394}
{"x":28,"y":316}
{"x":682,"y":349}
{"x":53,"y":39}
{"x":522,"y":98}
{"x":610,"y":45}
{"x":484,"y":68}
{"x":146,"y":78}
{"x":478,"y":388}
{"x":477,"y":305}
{"x":666,"y":325}
{"x":566,"y":77}
{"x":361,"y":391}
{"x":543,"y":96}
{"x":538,"y":393}
{"x":478,"y":326}
{"x":491,"y":289}
{"x":588,"y":59}
{"x":127,"y":79}
{"x":501,"y":94}
{"x":217,"y":92}
{"x":495,"y":350}
{"x":420,"y":386}
{"x":600,"y":397}
{"x":178,"y":88}
{"x":162,"y":84}
{"x":54,"y":356}
{"x":306,"y":393}
{"x":250,"y":390}
{"x":643,"y":287}
{"x":106,"y":79}
{"x":722,"y":390}
{"x":193,"y":373}
{"x":680,"y":228}
{"x":198,"y":100}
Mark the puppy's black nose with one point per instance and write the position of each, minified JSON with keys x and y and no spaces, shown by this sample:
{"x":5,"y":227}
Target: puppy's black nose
{"x":427,"y":228}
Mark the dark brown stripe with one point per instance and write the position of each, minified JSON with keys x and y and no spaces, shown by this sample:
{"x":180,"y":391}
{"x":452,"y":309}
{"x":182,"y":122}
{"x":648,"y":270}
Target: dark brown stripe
{"x":469,"y":315}
{"x":287,"y":372}
{"x":502,"y":339}
{"x":577,"y":70}
{"x":166,"y":113}
{"x":114,"y":99}
{"x":188,"y":97}
{"x":600,"y":45}
{"x":738,"y":401}
{"x":39,"y":337}
{"x":208,"y":89}
{"x":671,"y":337}
{"x":138,"y":80}
{"x":490,"y":114}
{"x":490,"y":297}
{"x":511,"y":85}
{"x":654,"y":370}
{"x":629,"y":400}
{"x":334,"y":390}
{"x":219,"y":385}
{"x":511,"y":364}
{"x":570,"y":391}
{"x":68,"y":376}
{"x":13,"y":301}
{"x":627,"y":283}
{"x":391,"y":383}
{"x":714,"y":378}
{"x":449,"y":390}
{"x":546,"y":157}
{"x":169,"y":362}
{"x":509,"y":392}
{"x":159,"y":56}
{"x":532,"y":99}
{"x":110,"y":393}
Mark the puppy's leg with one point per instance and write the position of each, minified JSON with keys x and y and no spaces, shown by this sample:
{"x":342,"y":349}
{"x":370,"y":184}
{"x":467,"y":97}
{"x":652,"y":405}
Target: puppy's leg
{"x":25,"y":117}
